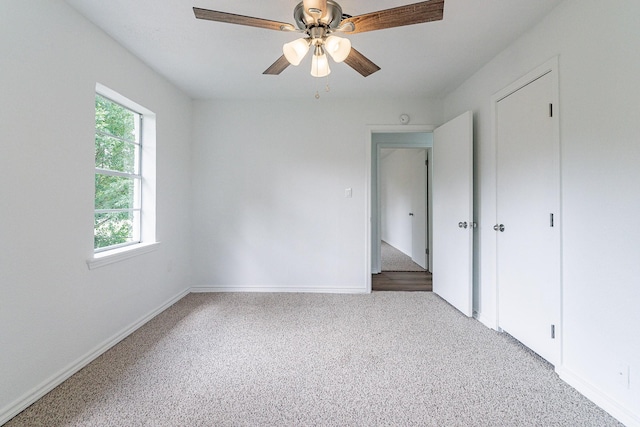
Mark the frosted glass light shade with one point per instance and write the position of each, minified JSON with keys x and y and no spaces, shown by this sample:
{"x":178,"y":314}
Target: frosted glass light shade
{"x":296,"y":50}
{"x":338,"y":47}
{"x":320,"y":66}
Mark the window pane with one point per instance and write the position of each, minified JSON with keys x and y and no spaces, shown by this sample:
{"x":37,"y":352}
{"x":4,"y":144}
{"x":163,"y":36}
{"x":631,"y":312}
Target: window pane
{"x":118,"y":182}
{"x":116,"y":120}
{"x":115,"y":192}
{"x":113,"y":229}
{"x":116,"y":154}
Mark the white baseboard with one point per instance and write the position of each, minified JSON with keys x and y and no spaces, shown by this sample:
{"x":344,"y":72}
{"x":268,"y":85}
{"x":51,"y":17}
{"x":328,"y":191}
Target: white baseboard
{"x":276,"y":289}
{"x":619,"y":411}
{"x":55,"y":380}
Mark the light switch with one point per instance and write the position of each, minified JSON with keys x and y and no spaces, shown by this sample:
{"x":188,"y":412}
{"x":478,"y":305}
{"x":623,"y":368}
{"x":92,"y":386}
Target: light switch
{"x":347,"y":193}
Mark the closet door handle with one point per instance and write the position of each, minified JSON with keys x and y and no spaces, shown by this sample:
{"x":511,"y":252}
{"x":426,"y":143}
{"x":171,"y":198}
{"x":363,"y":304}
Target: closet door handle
{"x":462,"y":224}
{"x":499,"y":227}
{"x":410,"y":214}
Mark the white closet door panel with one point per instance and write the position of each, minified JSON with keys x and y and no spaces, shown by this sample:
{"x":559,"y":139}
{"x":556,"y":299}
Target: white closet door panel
{"x":527,"y":196}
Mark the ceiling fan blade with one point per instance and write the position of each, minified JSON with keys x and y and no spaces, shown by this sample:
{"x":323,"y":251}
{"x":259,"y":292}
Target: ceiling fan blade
{"x":360,"y":63}
{"x":277,"y":67}
{"x":417,"y":13}
{"x":213,"y":15}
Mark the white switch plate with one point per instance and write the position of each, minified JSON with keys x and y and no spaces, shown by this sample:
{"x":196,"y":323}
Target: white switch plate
{"x":347,"y":193}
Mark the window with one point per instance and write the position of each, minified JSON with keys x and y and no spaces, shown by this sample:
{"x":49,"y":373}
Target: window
{"x":118,"y":179}
{"x":124,"y":216}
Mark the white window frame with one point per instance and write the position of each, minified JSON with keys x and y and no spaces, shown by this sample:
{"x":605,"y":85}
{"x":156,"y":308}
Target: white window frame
{"x":136,"y":176}
{"x":147,"y":169}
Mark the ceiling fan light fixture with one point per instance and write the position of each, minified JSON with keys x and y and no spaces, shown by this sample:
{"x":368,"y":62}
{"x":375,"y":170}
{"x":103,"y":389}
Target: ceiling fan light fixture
{"x":296,"y":50}
{"x":320,"y":63}
{"x":338,"y":47}
{"x":318,"y":19}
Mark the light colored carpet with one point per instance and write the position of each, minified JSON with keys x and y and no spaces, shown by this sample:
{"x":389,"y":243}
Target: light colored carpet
{"x":387,"y":358}
{"x":393,"y":259}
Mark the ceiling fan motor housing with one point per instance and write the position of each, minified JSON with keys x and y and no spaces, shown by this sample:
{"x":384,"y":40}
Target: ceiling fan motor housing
{"x":331,"y":19}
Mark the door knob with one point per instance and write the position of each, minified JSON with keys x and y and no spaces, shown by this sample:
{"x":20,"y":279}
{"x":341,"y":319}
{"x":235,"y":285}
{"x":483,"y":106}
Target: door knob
{"x":410,"y":214}
{"x":498,"y":227}
{"x":462,"y":224}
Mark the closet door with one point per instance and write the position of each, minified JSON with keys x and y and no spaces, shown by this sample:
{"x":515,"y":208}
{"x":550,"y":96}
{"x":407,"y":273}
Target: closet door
{"x":528,"y":238}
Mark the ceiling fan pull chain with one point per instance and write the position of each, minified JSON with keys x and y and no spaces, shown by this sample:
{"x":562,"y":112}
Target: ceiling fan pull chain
{"x":317,"y":84}
{"x":327,"y":88}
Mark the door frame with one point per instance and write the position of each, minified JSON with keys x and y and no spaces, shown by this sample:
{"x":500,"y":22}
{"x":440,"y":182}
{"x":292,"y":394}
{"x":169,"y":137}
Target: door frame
{"x":550,"y":67}
{"x":372,"y":179}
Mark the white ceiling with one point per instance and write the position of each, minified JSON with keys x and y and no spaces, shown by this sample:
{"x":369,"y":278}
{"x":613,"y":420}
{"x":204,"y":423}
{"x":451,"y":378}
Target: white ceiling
{"x":217,"y":60}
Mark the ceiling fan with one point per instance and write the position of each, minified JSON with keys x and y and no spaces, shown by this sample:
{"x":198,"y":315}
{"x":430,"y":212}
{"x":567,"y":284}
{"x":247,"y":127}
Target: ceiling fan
{"x":319,"y":20}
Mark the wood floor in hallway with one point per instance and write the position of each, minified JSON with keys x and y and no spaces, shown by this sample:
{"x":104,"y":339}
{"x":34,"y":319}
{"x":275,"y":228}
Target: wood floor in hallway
{"x":402,"y":281}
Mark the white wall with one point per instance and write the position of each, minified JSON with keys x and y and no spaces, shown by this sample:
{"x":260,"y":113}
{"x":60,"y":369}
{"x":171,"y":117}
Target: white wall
{"x":598,"y":44}
{"x":54,"y":311}
{"x":269,"y":210}
{"x":397,"y":177}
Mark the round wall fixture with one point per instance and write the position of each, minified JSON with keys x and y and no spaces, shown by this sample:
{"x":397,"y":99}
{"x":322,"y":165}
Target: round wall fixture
{"x":404,"y":119}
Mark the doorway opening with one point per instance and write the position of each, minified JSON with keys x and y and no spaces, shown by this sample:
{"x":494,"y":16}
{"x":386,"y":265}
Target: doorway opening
{"x":452,"y":222}
{"x":402,"y":200}
{"x":400,"y":207}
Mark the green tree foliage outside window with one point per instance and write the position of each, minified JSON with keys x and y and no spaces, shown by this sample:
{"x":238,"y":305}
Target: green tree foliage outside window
{"x":117,"y":178}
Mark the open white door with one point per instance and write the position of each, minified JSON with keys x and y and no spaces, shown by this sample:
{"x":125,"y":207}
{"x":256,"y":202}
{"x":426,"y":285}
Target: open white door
{"x":453,"y":212}
{"x":419,"y":209}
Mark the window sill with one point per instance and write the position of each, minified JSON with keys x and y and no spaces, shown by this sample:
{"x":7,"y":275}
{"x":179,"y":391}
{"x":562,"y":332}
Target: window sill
{"x":109,"y":257}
